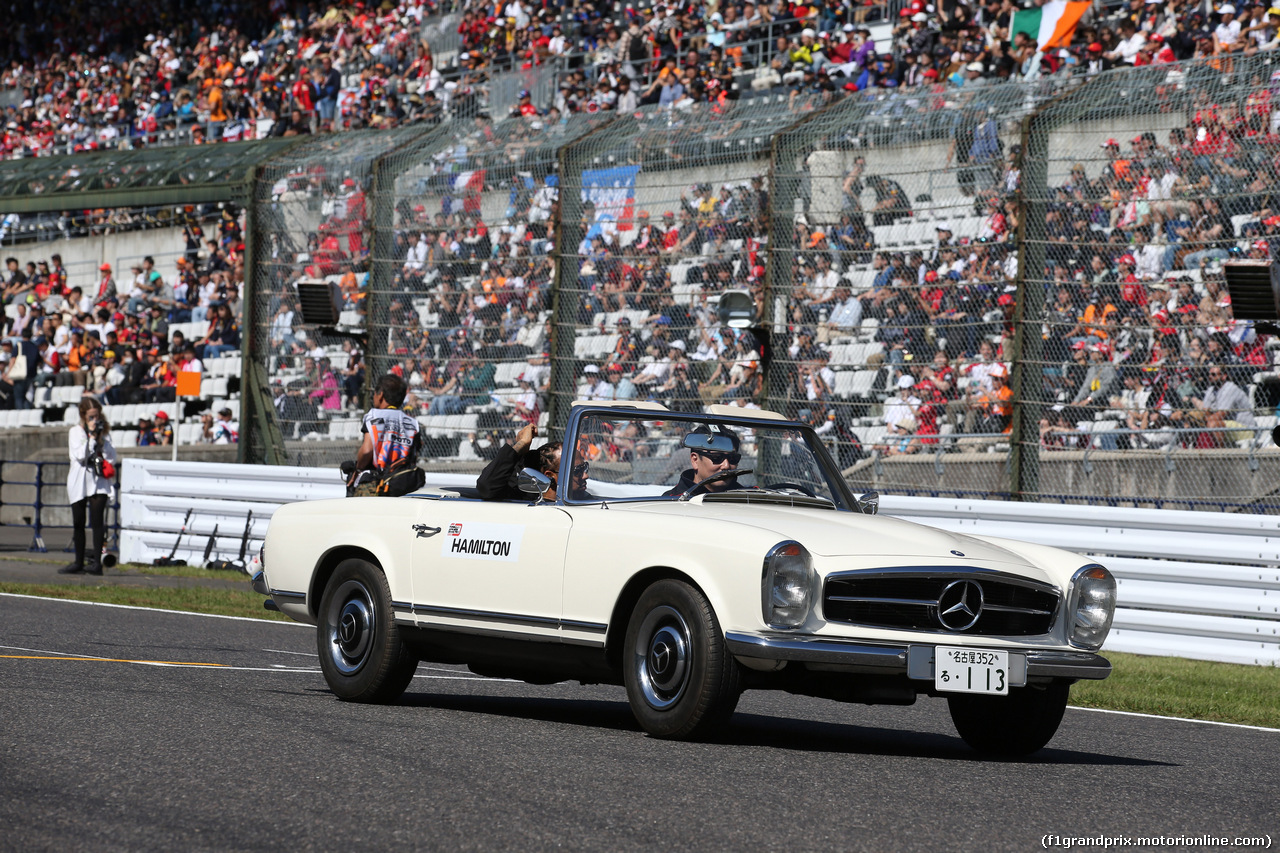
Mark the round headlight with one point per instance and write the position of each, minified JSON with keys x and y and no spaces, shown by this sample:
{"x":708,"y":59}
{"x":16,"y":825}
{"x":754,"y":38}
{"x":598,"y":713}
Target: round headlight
{"x":1091,"y":606}
{"x":786,"y":587}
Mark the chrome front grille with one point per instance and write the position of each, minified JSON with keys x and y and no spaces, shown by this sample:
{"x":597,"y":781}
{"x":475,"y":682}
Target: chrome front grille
{"x":909,"y":599}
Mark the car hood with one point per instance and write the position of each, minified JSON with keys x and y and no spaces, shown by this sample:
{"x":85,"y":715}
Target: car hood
{"x":829,"y":533}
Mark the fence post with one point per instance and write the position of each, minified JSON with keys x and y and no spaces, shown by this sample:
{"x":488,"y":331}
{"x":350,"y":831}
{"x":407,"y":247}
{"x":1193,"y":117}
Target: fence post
{"x":1028,"y":343}
{"x":377,"y":320}
{"x":37,"y":539}
{"x":263,"y":439}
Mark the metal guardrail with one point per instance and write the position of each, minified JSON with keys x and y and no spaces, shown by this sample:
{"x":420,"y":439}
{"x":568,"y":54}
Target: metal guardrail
{"x":39,"y":505}
{"x":1190,"y":584}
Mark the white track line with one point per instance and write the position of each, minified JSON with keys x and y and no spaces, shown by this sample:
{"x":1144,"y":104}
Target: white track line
{"x":465,"y":678}
{"x":1177,"y":719}
{"x":157,"y":610}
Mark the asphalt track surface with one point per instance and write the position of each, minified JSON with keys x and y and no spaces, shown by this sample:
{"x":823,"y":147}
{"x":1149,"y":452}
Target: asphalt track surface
{"x":106,"y":746}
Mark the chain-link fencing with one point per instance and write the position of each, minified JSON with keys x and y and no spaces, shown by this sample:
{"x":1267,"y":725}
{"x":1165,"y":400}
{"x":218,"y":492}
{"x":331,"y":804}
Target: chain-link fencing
{"x":1138,"y":386}
{"x":312,"y":223}
{"x":893,"y":265}
{"x":664,"y":210}
{"x":463,"y":275}
{"x":1011,"y":290}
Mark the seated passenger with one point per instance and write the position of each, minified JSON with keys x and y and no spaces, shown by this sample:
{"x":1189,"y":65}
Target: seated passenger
{"x":498,"y":480}
{"x":387,"y":462}
{"x":712,"y":449}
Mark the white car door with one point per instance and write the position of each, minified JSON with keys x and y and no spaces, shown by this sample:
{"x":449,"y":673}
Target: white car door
{"x":489,"y":566}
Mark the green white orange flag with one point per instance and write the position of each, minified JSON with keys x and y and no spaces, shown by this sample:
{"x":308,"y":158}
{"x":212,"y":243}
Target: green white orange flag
{"x":1051,"y":25}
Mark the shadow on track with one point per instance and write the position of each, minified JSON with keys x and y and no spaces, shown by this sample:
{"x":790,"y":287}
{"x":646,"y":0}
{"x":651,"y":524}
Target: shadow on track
{"x":759,"y":730}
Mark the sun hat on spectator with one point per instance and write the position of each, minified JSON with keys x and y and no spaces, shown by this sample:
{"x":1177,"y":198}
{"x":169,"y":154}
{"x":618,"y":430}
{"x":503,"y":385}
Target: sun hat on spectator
{"x":974,"y":66}
{"x":162,"y":415}
{"x":678,"y":344}
{"x":105,"y":268}
{"x":943,"y":226}
{"x":1226,"y":9}
{"x":931,"y":276}
{"x":1110,"y":143}
{"x":1261,"y":245}
{"x":815,"y":238}
{"x":919,"y":18}
{"x":848,"y":28}
{"x":905,"y":381}
{"x":590,"y":368}
{"x":930,"y":74}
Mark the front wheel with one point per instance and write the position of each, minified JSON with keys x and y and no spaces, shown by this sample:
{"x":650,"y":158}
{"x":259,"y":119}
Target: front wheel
{"x":1013,"y":725}
{"x":361,"y":653}
{"x":682,"y":682}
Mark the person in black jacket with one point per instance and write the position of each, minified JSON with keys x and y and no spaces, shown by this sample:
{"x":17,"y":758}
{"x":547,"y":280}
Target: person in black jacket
{"x":714,"y":457}
{"x":498,"y":480}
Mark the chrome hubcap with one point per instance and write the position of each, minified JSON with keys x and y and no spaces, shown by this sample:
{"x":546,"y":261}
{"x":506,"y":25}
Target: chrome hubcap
{"x":351,"y":622}
{"x":661,"y":657}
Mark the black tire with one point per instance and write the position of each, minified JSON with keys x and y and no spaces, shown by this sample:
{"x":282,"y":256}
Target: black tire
{"x":361,"y":653}
{"x":1013,"y":725}
{"x":682,"y":682}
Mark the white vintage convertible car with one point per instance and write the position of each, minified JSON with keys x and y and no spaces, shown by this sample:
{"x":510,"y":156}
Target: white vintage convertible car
{"x":693,"y":556}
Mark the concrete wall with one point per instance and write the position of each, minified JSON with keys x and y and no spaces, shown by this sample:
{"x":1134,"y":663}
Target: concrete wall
{"x":83,"y":255}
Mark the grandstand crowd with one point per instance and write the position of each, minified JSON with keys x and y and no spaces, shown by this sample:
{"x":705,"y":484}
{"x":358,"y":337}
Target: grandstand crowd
{"x":899,"y":306}
{"x":108,"y":74}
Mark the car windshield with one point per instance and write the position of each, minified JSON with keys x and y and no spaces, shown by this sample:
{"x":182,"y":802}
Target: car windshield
{"x":628,"y":455}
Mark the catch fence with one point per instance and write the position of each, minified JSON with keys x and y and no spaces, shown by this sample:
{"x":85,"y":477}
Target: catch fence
{"x":1011,"y":290}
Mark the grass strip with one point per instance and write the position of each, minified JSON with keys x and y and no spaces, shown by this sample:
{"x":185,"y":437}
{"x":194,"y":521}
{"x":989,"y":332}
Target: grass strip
{"x":221,"y":602}
{"x":1177,"y":687}
{"x":141,"y":569}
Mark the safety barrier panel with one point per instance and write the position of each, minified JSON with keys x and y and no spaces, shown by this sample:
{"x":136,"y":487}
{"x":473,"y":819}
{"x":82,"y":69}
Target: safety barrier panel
{"x":1191,"y":584}
{"x":155,"y":496}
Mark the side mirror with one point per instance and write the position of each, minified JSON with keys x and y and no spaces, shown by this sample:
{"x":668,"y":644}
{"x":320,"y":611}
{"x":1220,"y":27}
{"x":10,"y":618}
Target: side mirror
{"x":532,"y":483}
{"x":869,"y":503}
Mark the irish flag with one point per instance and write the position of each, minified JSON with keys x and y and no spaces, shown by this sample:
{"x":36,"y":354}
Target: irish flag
{"x":1051,"y":25}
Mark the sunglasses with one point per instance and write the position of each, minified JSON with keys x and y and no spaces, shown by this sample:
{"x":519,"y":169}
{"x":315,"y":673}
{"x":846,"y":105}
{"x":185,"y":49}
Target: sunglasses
{"x":715,"y":457}
{"x":581,"y":469}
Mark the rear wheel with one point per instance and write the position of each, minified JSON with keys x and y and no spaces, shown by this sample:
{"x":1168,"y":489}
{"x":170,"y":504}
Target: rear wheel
{"x":1017,"y":724}
{"x":361,"y":653}
{"x":682,"y":682}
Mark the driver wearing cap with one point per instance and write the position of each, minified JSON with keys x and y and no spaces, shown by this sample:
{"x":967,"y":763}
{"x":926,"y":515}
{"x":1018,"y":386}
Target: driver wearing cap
{"x":713,"y":450}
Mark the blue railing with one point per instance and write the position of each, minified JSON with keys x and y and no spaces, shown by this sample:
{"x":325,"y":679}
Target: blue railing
{"x":35,"y":520}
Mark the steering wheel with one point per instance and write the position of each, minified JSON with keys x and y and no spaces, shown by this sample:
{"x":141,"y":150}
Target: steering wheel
{"x":796,"y":487}
{"x":716,"y":477}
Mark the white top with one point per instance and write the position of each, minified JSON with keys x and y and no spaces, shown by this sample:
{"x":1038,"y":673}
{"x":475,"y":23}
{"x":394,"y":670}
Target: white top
{"x":81,"y":482}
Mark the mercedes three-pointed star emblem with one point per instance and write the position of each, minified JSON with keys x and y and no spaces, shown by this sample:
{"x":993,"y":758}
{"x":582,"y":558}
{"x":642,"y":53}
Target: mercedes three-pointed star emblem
{"x":960,"y":605}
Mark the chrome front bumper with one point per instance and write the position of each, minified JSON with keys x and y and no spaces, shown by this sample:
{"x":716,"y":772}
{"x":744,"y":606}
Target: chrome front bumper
{"x":914,"y":660}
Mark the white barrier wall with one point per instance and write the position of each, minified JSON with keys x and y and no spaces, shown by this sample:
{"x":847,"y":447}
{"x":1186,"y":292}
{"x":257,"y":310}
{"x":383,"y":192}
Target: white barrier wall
{"x":1191,"y":584}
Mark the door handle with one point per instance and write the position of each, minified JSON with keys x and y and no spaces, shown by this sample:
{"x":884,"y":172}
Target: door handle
{"x":425,"y":530}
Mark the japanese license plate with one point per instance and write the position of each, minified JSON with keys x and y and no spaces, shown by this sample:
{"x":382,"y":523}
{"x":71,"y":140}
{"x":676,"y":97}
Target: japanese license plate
{"x":960,"y":670}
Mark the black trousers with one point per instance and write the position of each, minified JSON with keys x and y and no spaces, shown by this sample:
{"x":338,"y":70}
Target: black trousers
{"x":96,"y":507}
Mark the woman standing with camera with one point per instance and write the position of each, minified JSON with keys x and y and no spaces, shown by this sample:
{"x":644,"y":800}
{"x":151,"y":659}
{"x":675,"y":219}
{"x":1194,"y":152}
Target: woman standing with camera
{"x":90,"y":484}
